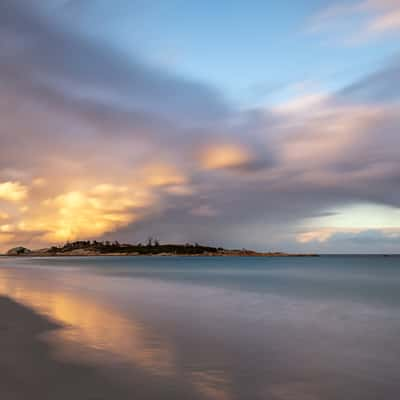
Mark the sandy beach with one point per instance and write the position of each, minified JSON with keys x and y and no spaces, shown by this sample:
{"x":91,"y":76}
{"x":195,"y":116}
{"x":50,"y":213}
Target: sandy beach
{"x":199,"y":328}
{"x":29,"y":371}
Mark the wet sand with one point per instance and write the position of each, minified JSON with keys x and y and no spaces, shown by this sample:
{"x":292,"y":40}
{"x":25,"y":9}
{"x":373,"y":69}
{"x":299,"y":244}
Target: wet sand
{"x":152,"y":328}
{"x":29,"y":371}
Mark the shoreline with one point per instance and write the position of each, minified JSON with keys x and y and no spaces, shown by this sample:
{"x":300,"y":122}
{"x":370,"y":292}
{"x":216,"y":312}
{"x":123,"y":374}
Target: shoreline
{"x":158,"y":255}
{"x":152,"y":248}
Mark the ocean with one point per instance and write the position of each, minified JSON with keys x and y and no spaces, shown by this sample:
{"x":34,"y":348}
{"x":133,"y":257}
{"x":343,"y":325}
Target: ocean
{"x":307,"y":328}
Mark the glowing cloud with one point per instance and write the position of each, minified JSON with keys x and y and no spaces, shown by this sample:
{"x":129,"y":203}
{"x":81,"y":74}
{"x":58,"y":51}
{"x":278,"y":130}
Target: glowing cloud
{"x":6,"y":228}
{"x":40,"y":182}
{"x":89,"y":213}
{"x":163,"y":175}
{"x":3,"y":216}
{"x":13,"y":191}
{"x":224,"y":156}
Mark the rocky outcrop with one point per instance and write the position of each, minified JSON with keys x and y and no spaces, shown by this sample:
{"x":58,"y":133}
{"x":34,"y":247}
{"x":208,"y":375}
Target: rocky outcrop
{"x":19,"y":251}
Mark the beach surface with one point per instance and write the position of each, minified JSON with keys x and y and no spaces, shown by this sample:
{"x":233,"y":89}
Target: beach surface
{"x":28,"y":369}
{"x":210,"y":328}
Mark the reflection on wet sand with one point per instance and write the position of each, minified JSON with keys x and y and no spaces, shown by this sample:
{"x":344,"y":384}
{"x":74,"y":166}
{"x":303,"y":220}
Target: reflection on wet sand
{"x":222,"y":329}
{"x":98,"y":333}
{"x":98,"y":328}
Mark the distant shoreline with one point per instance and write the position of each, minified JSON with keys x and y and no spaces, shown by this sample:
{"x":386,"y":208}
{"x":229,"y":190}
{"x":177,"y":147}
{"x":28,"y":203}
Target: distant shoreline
{"x":87,"y":248}
{"x":34,"y":255}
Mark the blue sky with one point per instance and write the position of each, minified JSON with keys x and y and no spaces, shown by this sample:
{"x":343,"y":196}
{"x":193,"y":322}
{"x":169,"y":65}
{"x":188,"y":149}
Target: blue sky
{"x":250,"y":52}
{"x":268,"y":125}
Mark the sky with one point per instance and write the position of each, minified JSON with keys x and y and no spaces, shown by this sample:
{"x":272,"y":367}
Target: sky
{"x":255,"y":124}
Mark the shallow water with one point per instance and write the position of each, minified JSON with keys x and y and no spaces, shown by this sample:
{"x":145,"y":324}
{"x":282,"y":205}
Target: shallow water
{"x":225,"y":328}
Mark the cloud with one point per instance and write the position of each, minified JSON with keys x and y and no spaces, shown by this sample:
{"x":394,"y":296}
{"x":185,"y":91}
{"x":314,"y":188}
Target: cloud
{"x":90,"y":213}
{"x":388,"y":18}
{"x":299,"y":104}
{"x":225,"y":156}
{"x":330,"y":135}
{"x":164,"y":175}
{"x":355,"y":221}
{"x":358,"y":21}
{"x":13,"y":191}
{"x":321,"y":235}
{"x":356,"y":241}
{"x":381,"y":86}
{"x":363,"y":236}
{"x":204,"y":211}
{"x":4,"y":216}
{"x":44,"y":56}
{"x":90,"y":116}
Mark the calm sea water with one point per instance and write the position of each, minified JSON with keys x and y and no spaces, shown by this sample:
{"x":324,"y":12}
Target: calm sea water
{"x":224,"y":328}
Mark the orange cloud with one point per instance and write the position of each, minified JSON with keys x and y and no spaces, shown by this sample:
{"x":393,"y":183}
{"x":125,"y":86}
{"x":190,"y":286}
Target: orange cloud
{"x":86,"y":210}
{"x":161,"y":174}
{"x":6,"y":238}
{"x":13,"y":191}
{"x":3,"y":215}
{"x":318,"y":235}
{"x":39,"y":182}
{"x":6,"y":228}
{"x":80,"y":213}
{"x":224,"y":156}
